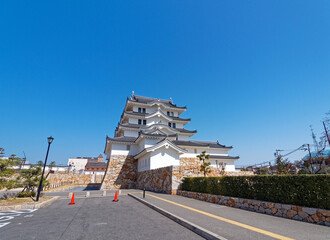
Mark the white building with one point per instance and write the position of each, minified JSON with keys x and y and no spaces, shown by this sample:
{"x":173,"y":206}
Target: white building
{"x":153,"y":132}
{"x":78,"y":164}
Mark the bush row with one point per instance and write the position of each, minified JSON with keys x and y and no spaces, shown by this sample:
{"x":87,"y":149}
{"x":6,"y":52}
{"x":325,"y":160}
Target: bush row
{"x":301,"y":190}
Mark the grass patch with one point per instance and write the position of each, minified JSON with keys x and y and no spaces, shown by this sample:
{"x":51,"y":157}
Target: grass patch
{"x":21,"y":201}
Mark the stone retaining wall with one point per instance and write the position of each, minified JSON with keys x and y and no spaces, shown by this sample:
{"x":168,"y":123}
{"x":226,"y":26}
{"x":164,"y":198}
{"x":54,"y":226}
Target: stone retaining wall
{"x":60,"y":179}
{"x":157,"y":180}
{"x":121,"y":173}
{"x":169,"y":179}
{"x":189,"y":167}
{"x":311,"y":215}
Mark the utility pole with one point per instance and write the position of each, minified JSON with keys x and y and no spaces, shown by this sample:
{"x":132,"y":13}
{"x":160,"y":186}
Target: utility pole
{"x":326,"y":132}
{"x":310,"y":158}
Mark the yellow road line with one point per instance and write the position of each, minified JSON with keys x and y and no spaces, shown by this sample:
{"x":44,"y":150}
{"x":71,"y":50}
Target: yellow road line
{"x":258,"y":230}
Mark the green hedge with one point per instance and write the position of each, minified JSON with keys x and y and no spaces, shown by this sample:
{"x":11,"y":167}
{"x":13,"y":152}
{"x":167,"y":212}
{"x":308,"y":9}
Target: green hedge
{"x":301,"y":190}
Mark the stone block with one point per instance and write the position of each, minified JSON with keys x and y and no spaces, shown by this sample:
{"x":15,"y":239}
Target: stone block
{"x":278,"y":205}
{"x":325,"y":213}
{"x":297,"y":217}
{"x":291,"y":213}
{"x":268,"y":211}
{"x":302,"y":214}
{"x":309,"y":211}
{"x":315,"y":218}
{"x":286,"y":206}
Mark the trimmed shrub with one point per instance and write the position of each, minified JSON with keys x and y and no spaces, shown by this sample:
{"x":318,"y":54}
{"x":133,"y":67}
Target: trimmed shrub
{"x":301,"y":190}
{"x":26,"y":194}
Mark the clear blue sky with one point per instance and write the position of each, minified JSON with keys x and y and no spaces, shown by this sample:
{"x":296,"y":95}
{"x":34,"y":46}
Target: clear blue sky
{"x":253,"y":74}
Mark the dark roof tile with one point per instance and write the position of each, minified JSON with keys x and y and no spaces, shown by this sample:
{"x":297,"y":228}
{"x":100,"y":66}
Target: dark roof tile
{"x":200,"y":144}
{"x":96,"y":165}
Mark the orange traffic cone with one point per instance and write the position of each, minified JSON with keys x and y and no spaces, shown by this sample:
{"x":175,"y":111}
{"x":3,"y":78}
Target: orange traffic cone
{"x":116,"y":198}
{"x":72,"y":200}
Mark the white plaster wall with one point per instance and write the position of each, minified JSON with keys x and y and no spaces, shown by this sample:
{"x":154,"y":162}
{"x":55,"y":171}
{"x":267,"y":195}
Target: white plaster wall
{"x":150,"y":142}
{"x":230,"y":166}
{"x":208,"y":151}
{"x":77,"y":163}
{"x":145,"y":143}
{"x":133,"y":120}
{"x":179,"y":125}
{"x":121,"y":149}
{"x":128,"y":133}
{"x":144,"y":163}
{"x":141,"y":145}
{"x":217,"y":152}
{"x":164,"y":157}
{"x":183,"y":138}
{"x":156,"y":119}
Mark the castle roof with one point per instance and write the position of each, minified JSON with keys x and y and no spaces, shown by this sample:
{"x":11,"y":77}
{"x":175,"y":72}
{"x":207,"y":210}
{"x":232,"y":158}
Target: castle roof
{"x":149,"y":100}
{"x":137,"y":126}
{"x":200,"y":144}
{"x":148,"y":114}
{"x":224,"y":157}
{"x":122,"y":139}
{"x":95,"y":165}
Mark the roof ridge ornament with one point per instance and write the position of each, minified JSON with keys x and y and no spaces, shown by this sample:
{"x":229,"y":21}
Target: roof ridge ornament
{"x":171,"y":100}
{"x":132,"y":96}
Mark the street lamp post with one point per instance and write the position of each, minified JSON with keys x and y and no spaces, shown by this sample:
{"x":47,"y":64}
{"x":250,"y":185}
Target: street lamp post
{"x":50,"y":140}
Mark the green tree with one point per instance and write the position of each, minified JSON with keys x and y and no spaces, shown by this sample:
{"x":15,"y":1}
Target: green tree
{"x":283,"y":166}
{"x":6,"y":169}
{"x":263,"y":171}
{"x":30,"y":179}
{"x":52,"y":164}
{"x":205,"y":166}
{"x":40,"y":163}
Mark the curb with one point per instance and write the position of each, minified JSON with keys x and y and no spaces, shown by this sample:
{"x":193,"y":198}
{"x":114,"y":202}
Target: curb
{"x":191,"y":226}
{"x":30,"y":206}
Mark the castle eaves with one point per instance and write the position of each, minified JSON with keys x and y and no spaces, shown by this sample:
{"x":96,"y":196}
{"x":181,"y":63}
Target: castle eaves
{"x":200,"y":144}
{"x":149,"y":100}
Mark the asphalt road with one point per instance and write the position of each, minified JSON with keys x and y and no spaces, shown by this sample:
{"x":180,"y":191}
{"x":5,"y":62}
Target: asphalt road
{"x":92,"y":218}
{"x":230,"y":227}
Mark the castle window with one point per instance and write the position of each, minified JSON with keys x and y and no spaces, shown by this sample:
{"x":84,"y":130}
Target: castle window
{"x":143,"y":110}
{"x":139,"y":121}
{"x":195,"y":150}
{"x":144,"y":122}
{"x":169,"y":124}
{"x":172,"y":114}
{"x":168,"y":113}
{"x":139,"y":110}
{"x":174,"y":125}
{"x":128,"y":147}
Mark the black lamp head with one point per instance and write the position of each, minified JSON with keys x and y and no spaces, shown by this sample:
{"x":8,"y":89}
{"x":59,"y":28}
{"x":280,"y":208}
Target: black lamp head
{"x":50,"y":139}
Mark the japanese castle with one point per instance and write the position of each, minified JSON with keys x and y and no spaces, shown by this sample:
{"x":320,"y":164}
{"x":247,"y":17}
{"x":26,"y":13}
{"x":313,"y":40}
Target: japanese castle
{"x":153,"y":134}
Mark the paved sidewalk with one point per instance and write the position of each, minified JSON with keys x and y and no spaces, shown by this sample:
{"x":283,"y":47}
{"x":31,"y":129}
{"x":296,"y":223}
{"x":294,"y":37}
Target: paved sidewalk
{"x":233,"y":223}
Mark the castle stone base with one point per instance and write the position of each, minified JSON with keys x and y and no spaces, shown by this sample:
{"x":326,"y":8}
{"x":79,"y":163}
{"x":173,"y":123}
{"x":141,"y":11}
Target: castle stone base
{"x":121,"y":173}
